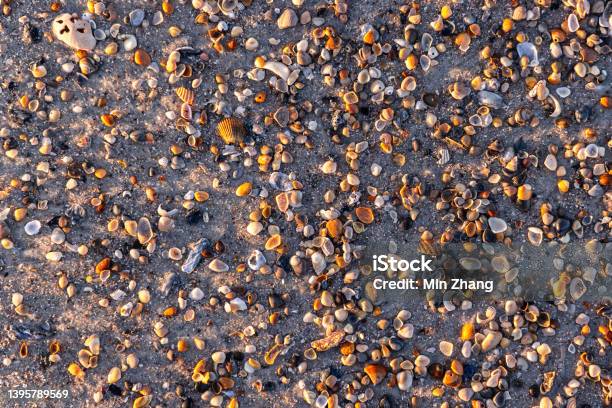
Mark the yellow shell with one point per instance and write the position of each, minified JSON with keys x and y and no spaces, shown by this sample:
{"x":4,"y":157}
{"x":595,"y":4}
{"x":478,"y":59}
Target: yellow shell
{"x":231,"y":130}
{"x":185,"y":95}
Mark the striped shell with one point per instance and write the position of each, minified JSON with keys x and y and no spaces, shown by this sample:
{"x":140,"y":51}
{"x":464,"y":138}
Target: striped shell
{"x":231,"y":130}
{"x":185,"y":95}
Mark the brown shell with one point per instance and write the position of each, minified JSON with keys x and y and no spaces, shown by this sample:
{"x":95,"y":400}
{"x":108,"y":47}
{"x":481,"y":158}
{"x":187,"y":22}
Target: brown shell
{"x":231,"y":130}
{"x":185,"y":95}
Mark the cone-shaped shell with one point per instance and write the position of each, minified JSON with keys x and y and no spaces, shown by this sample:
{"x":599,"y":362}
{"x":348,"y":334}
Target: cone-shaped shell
{"x":231,"y":130}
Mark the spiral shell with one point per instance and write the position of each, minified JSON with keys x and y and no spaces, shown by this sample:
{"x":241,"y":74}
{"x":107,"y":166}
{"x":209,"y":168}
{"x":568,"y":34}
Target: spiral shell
{"x":231,"y":130}
{"x":185,"y":95}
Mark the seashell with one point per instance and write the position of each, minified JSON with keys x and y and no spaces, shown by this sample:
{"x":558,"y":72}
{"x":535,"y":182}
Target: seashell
{"x":431,"y":99}
{"x":129,"y":42}
{"x":557,"y":109}
{"x":231,"y":130}
{"x":186,"y":112}
{"x":287,"y":19}
{"x":271,"y":355}
{"x":605,"y":20}
{"x":194,"y":256}
{"x":529,"y":50}
{"x":142,"y":58}
{"x":463,"y":41}
{"x":580,"y":69}
{"x":256,"y":260}
{"x":490,"y":99}
{"x":563,"y":92}
{"x":158,"y":18}
{"x":186,"y":95}
{"x":85,"y":358}
{"x":443,"y":156}
{"x":87,"y":66}
{"x":365,"y":214}
{"x":411,"y":62}
{"x":114,"y":375}
{"x":136,"y":17}
{"x":425,"y":62}
{"x":535,"y":235}
{"x":32,"y":227}
{"x":278,"y":68}
{"x":375,"y":372}
{"x":226,"y":6}
{"x":144,"y":230}
{"x":404,"y":380}
{"x":217,"y":265}
{"x":408,"y":84}
{"x":142,"y":401}
{"x":572,"y":23}
{"x":74,"y":32}
{"x":497,"y":225}
{"x":475,"y":120}
{"x":363,"y":77}
{"x":426,"y":41}
{"x":491,"y":340}
{"x":458,"y":90}
{"x":550,"y":162}
{"x":591,"y":151}
{"x":577,"y":288}
{"x":470,"y":264}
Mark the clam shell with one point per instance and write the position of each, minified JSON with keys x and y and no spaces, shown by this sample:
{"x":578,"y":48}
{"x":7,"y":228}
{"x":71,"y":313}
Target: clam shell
{"x":33,"y":227}
{"x":231,"y":130}
{"x":458,"y":90}
{"x":490,"y":99}
{"x":227,"y":6}
{"x":475,"y":120}
{"x":572,"y":23}
{"x":185,"y":95}
{"x":426,"y":41}
{"x":186,"y":112}
{"x":529,"y":50}
{"x":563,"y":92}
{"x":144,"y":230}
{"x":87,"y":66}
{"x":425,"y":62}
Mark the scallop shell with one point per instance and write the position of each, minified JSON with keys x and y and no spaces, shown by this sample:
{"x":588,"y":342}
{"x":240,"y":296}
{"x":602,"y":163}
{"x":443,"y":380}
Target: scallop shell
{"x":231,"y":130}
{"x":185,"y":95}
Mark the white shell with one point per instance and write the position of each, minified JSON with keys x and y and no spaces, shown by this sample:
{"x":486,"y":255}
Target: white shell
{"x":278,"y":68}
{"x":529,"y":50}
{"x":33,"y":227}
